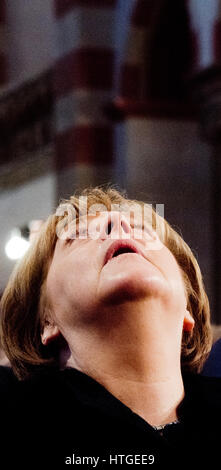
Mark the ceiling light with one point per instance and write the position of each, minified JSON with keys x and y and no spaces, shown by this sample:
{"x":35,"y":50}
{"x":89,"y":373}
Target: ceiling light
{"x":17,"y":245}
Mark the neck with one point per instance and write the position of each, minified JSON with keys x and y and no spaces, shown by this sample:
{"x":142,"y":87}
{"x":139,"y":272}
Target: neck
{"x":134,"y":362}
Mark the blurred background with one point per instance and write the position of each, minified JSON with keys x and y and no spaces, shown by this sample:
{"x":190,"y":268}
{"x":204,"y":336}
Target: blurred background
{"x":120,"y":91}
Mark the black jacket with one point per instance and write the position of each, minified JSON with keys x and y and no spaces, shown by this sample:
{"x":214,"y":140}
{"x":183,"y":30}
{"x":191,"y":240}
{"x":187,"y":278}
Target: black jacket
{"x":6,"y":378}
{"x":62,"y":418}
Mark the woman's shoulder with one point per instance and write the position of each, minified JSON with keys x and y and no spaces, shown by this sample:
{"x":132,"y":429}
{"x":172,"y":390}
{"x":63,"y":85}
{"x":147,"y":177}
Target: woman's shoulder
{"x":202,"y":380}
{"x":43,"y":383}
{"x":197,"y":382}
{"x":203,"y":393}
{"x":7,"y":377}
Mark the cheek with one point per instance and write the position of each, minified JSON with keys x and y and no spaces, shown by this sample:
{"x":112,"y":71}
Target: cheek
{"x":173,"y":275}
{"x":71,"y":288}
{"x":178,"y":286}
{"x":178,"y":291}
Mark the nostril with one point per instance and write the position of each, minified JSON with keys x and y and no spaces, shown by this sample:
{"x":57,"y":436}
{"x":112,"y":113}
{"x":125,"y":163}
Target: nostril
{"x":109,"y":228}
{"x":125,"y":227}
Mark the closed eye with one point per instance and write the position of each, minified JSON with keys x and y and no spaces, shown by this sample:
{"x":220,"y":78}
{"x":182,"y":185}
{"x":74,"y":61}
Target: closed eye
{"x":80,"y":232}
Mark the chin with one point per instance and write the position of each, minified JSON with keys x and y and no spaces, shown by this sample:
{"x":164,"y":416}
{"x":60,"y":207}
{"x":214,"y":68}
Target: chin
{"x":133,"y":286}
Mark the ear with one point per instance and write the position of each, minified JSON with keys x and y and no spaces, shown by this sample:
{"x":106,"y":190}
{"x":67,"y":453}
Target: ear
{"x":50,"y":333}
{"x":188,"y":322}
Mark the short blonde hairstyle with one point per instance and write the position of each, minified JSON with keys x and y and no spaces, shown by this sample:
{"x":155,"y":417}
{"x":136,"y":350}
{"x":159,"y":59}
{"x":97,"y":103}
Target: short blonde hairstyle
{"x":24,"y":301}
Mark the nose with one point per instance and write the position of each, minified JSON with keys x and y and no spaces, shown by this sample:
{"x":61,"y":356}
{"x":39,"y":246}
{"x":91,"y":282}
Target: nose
{"x":116,"y":226}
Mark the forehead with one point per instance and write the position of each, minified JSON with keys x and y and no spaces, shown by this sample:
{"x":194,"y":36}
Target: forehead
{"x":128,"y":213}
{"x":86,"y":208}
{"x":132,"y":212}
{"x":128,"y":209}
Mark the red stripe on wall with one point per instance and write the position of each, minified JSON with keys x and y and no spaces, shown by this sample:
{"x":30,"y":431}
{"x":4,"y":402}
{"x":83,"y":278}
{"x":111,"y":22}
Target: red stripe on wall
{"x":154,"y":109}
{"x":2,"y":12}
{"x":64,"y":6}
{"x":217,"y":42}
{"x":131,"y":81}
{"x":84,"y":145}
{"x":86,"y":68}
{"x":3,"y":69}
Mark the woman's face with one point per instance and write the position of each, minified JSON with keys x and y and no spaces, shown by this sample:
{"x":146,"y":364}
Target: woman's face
{"x":112,"y":265}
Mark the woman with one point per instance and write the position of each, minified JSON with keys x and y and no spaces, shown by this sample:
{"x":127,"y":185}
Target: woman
{"x":106,"y":324}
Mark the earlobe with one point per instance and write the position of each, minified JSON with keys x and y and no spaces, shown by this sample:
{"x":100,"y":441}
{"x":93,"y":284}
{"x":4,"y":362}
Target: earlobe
{"x":188,"y":322}
{"x":50,"y":333}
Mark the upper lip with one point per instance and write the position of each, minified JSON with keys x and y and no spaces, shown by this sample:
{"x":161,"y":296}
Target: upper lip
{"x":119,"y":244}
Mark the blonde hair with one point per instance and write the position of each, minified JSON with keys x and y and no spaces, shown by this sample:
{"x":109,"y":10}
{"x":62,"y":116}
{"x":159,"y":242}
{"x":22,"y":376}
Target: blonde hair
{"x":24,"y":301}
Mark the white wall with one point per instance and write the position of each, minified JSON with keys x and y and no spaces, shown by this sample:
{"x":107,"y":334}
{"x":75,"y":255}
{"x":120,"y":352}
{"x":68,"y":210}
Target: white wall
{"x":31,"y":38}
{"x":34,"y":200}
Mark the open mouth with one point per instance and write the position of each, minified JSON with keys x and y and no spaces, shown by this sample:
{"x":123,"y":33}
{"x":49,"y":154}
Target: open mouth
{"x":121,"y":251}
{"x":121,"y":247}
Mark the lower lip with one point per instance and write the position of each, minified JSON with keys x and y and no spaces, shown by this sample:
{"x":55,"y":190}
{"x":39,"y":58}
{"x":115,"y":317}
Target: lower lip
{"x":123,"y":255}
